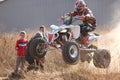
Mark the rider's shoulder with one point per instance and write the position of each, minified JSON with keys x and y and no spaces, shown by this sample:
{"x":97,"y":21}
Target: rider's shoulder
{"x":87,"y":9}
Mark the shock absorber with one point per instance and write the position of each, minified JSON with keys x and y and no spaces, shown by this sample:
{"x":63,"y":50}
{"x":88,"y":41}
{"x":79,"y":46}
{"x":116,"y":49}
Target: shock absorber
{"x":64,"y":39}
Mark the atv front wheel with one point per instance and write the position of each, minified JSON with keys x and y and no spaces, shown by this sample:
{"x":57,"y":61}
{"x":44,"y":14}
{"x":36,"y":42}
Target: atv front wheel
{"x":101,"y":58}
{"x":70,"y":52}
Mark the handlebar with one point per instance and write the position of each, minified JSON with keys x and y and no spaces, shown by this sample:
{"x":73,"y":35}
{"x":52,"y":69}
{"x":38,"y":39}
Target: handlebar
{"x":62,"y":18}
{"x":67,"y":20}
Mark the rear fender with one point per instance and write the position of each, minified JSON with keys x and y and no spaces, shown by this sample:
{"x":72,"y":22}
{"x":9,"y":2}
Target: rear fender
{"x":92,"y":39}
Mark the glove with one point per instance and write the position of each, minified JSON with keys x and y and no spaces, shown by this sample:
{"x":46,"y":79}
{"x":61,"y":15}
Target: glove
{"x":61,"y":18}
{"x":82,"y":18}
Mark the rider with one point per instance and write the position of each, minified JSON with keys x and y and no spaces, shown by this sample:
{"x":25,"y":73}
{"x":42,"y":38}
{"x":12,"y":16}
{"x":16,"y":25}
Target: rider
{"x":86,"y":15}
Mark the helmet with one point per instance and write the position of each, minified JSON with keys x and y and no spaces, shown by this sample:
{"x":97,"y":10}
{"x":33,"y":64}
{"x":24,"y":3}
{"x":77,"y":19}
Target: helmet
{"x":80,"y":4}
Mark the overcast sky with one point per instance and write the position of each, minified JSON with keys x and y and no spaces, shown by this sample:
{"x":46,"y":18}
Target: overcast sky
{"x":33,"y":13}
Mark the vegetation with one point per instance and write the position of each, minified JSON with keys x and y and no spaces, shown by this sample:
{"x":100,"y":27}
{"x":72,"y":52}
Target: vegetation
{"x":55,"y":67}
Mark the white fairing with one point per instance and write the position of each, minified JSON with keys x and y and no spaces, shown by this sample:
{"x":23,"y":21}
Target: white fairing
{"x":76,"y":31}
{"x":92,"y":38}
{"x":55,"y":28}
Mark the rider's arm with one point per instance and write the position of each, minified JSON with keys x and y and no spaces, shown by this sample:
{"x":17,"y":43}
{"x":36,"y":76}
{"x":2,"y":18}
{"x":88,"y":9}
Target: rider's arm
{"x":88,"y":13}
{"x":73,"y":13}
{"x":89,"y":17}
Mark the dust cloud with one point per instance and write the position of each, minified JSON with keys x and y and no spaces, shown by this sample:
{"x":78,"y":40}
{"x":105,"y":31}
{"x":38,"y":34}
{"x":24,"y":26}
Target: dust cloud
{"x":111,"y":40}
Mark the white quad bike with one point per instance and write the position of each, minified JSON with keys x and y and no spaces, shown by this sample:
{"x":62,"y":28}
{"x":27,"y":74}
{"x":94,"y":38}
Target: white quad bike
{"x":66,"y":38}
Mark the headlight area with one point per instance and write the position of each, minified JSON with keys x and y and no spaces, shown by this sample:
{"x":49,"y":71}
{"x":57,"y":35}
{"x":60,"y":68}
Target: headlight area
{"x":63,"y":31}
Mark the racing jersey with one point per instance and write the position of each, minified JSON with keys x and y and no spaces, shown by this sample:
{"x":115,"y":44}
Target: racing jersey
{"x":89,"y":18}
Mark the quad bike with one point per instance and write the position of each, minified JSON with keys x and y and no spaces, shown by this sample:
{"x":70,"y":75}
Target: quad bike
{"x":66,"y":38}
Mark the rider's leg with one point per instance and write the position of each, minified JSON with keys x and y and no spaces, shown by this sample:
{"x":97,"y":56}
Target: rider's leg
{"x":84,"y":31}
{"x":84,"y":38}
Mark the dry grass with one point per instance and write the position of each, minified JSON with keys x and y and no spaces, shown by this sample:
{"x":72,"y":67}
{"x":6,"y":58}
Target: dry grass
{"x":55,"y":68}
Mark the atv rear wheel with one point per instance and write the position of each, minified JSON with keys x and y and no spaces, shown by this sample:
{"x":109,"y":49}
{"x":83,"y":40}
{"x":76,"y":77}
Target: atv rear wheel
{"x":70,"y":52}
{"x":38,"y":48}
{"x":101,"y":58}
